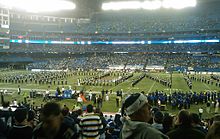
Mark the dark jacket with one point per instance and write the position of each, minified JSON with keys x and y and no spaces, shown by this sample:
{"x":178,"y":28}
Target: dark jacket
{"x":66,"y":132}
{"x":186,"y":132}
{"x":20,"y":132}
{"x":3,"y":130}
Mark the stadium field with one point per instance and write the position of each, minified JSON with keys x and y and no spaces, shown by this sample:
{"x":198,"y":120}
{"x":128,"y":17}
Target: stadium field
{"x":147,"y":85}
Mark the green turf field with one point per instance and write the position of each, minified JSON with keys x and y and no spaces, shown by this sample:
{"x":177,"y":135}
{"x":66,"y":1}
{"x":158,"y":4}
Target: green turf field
{"x":147,"y":85}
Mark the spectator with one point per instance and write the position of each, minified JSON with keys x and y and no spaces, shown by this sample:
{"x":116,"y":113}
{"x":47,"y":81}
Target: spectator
{"x":52,"y":125}
{"x":213,"y":132}
{"x":196,"y":122}
{"x":99,"y":102}
{"x":216,"y":118}
{"x":20,"y":130}
{"x":158,"y":120}
{"x":110,"y":119}
{"x":213,"y":120}
{"x":6,"y":114}
{"x":15,"y":103}
{"x":3,"y":129}
{"x":116,"y":125}
{"x":69,"y":121}
{"x":167,"y":123}
{"x":109,"y":132}
{"x":30,"y":120}
{"x":90,"y":124}
{"x":137,"y":109}
{"x":75,"y":115}
{"x":208,"y":104}
{"x":104,"y":123}
{"x":184,"y":129}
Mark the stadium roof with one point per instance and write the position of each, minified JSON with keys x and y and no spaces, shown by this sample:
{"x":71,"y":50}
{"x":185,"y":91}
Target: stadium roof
{"x":84,"y":8}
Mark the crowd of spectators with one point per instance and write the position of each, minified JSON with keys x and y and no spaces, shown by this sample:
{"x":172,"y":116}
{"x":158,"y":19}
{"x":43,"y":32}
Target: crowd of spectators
{"x":52,"y":121}
{"x":120,"y":22}
{"x":53,"y":64}
{"x":179,"y":61}
{"x":138,"y":119}
{"x":150,"y":48}
{"x":120,"y":27}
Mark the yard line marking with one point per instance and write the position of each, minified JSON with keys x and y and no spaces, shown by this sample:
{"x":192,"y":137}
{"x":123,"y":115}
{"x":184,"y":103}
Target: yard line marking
{"x":26,"y":89}
{"x":207,"y":86}
{"x":151,"y":87}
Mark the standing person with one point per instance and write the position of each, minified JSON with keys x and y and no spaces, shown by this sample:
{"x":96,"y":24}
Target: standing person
{"x":6,"y":114}
{"x":136,"y":107}
{"x":44,"y":96}
{"x":20,"y":130}
{"x":158,"y":121}
{"x":99,"y":102}
{"x":216,"y":106}
{"x":19,"y":90}
{"x":107,"y":97}
{"x":79,"y":100}
{"x":63,"y":89}
{"x":15,"y":103}
{"x":167,"y":123}
{"x":90,"y":95}
{"x":121,"y":91}
{"x":184,"y":128}
{"x":2,"y":97}
{"x":3,"y":130}
{"x":58,"y":90}
{"x":117,"y":102}
{"x":68,"y":120}
{"x":47,"y":94}
{"x":103,"y":94}
{"x":30,"y":119}
{"x":78,"y":82}
{"x":200,"y":112}
{"x":208,"y":105}
{"x":213,"y":132}
{"x":90,"y":124}
{"x":196,"y":122}
{"x":53,"y":125}
{"x":118,"y":98}
{"x":94,"y":97}
{"x":104,"y":123}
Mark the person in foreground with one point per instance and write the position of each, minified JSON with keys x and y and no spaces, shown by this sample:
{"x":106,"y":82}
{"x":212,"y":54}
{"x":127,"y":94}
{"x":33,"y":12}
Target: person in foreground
{"x":20,"y":130}
{"x":136,"y":114}
{"x":184,"y":128}
{"x":53,"y":125}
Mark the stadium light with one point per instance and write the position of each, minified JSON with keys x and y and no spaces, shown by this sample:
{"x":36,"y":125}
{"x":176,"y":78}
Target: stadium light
{"x":149,"y":5}
{"x":121,"y":5}
{"x":36,"y":6}
{"x":178,"y":4}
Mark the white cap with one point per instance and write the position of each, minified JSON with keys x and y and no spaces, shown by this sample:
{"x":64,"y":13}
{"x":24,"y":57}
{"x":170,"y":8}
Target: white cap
{"x":139,"y":103}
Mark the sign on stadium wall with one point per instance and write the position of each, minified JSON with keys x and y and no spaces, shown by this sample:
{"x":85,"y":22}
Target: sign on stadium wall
{"x":39,"y":70}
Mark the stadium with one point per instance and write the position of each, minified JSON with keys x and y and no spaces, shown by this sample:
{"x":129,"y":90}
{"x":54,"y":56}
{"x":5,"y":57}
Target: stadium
{"x":100,"y":53}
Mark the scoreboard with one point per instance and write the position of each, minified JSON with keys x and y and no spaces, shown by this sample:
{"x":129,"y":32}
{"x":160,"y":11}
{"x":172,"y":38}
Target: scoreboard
{"x":4,"y":28}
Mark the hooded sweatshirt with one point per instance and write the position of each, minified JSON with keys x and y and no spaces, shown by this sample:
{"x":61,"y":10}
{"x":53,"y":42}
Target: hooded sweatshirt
{"x":140,"y":130}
